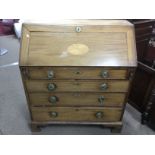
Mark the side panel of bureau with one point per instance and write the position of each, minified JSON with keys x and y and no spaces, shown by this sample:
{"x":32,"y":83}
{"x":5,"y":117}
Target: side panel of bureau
{"x":76,"y":114}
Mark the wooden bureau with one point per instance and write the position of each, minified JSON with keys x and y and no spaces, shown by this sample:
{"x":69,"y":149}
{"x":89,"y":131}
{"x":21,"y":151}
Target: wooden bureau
{"x":77,"y":71}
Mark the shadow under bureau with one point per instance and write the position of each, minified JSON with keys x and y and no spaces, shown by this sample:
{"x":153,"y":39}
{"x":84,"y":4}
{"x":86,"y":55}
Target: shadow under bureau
{"x":77,"y":71}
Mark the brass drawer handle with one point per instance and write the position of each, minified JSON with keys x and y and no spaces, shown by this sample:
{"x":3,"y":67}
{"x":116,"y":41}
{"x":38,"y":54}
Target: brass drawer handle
{"x":77,"y":72}
{"x":51,"y":86}
{"x":53,"y":99}
{"x":53,"y":114}
{"x":50,"y":74}
{"x":99,"y":114}
{"x":104,"y":86}
{"x":78,"y":29}
{"x":104,"y":74}
{"x":101,"y":99}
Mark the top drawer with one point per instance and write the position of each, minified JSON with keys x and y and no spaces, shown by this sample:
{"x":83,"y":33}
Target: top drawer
{"x":76,"y":73}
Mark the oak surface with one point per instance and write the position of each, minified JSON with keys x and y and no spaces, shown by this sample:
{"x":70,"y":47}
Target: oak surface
{"x":94,"y":45}
{"x":75,"y":114}
{"x":77,"y":85}
{"x":90,"y":64}
{"x":77,"y":99}
{"x":76,"y":73}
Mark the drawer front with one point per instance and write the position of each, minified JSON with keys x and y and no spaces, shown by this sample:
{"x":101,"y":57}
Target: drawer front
{"x":77,"y":99}
{"x":77,"y":85}
{"x":75,"y":114}
{"x":76,"y":73}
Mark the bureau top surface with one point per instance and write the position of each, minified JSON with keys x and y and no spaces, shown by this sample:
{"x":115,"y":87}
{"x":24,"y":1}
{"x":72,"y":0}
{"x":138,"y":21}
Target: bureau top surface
{"x":78,"y":43}
{"x":77,"y":22}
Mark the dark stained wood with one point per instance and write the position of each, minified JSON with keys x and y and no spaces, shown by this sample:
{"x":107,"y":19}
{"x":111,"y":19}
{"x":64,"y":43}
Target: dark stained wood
{"x":143,"y":31}
{"x":150,"y":110}
{"x":142,"y":93}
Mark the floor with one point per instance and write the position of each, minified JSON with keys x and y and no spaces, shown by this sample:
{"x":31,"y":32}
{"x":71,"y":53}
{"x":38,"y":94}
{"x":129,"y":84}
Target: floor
{"x":14,"y":115}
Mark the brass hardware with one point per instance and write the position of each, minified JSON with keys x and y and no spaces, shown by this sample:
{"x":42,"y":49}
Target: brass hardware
{"x":104,"y":86}
{"x":101,"y":99}
{"x":77,"y":72}
{"x":50,"y":74}
{"x":104,"y":74}
{"x":99,"y":114}
{"x":78,"y":29}
{"x":51,"y":86}
{"x":53,"y":114}
{"x":53,"y":99}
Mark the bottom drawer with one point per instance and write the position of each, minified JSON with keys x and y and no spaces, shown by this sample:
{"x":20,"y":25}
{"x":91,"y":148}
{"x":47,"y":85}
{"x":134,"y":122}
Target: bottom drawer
{"x":75,"y":114}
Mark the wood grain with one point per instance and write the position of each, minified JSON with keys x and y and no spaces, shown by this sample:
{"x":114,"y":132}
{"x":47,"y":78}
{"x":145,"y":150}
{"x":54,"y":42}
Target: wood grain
{"x":75,"y":114}
{"x":45,"y":49}
{"x":105,"y":124}
{"x":108,"y":45}
{"x":76,"y":73}
{"x":78,"y":85}
{"x":76,"y":53}
{"x":24,"y":46}
{"x":77,"y":99}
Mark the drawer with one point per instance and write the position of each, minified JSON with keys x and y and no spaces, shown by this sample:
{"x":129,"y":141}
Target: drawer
{"x":75,"y":114}
{"x":77,"y":85}
{"x":77,"y":99}
{"x":76,"y":73}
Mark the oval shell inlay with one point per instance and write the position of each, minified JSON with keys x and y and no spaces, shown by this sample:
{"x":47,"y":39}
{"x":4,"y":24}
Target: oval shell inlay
{"x":78,"y":49}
